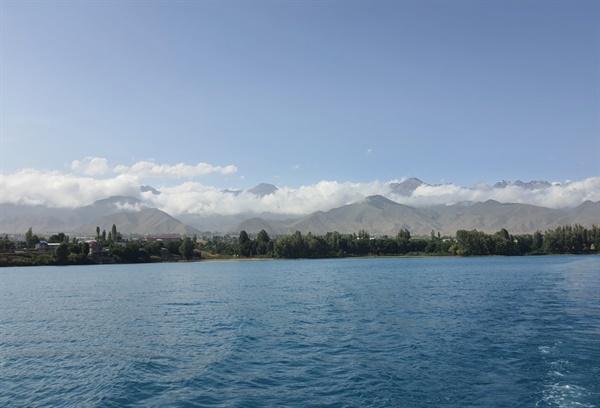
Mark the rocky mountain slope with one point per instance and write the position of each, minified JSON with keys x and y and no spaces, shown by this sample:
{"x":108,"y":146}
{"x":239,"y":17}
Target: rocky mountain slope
{"x":149,"y":221}
{"x":381,"y":216}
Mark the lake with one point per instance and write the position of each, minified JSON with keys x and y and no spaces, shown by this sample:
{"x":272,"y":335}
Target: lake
{"x":393,"y":332}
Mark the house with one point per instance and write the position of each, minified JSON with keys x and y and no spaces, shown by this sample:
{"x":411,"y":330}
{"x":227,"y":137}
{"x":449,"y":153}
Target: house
{"x":45,"y":246}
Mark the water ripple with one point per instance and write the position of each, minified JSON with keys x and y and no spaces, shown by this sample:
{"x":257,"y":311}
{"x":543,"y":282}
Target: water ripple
{"x":502,"y":332}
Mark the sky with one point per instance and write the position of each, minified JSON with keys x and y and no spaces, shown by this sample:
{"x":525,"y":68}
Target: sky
{"x":333,"y":97}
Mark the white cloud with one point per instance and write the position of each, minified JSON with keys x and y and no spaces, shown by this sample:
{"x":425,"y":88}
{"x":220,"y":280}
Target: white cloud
{"x":568,"y":194}
{"x":76,"y":165}
{"x":56,"y":189}
{"x":120,"y":169}
{"x":60,"y":189}
{"x":91,"y":166}
{"x":152,"y":170}
{"x":98,"y":166}
{"x":195,"y":198}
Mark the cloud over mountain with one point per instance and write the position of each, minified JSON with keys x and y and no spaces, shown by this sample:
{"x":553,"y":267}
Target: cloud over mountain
{"x":558,"y":195}
{"x":58,"y":189}
{"x":92,"y":179}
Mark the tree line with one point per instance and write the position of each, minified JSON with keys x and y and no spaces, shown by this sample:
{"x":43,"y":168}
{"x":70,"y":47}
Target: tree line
{"x":568,"y":239}
{"x":110,"y":247}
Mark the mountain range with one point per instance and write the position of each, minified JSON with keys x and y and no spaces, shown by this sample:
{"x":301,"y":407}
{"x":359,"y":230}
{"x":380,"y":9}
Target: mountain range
{"x":376,"y":214}
{"x":381,"y":216}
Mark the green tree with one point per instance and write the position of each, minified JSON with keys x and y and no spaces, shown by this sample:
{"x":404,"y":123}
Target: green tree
{"x":7,"y":244}
{"x":244,"y":244}
{"x":290,"y":247}
{"x":29,"y":238}
{"x":316,"y":247}
{"x":474,"y":243}
{"x":333,"y":240}
{"x":363,"y":234}
{"x":85,"y":248}
{"x":538,"y":242}
{"x":263,"y":243}
{"x":61,"y":255}
{"x":503,"y":243}
{"x":403,"y":240}
{"x":58,"y":238}
{"x":523,"y":244}
{"x":186,"y":249}
{"x":173,"y":246}
{"x":130,"y":253}
{"x":114,"y":232}
{"x":154,"y":248}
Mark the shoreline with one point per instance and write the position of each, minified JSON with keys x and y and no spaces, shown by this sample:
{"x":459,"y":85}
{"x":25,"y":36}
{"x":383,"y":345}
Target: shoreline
{"x":254,"y":259}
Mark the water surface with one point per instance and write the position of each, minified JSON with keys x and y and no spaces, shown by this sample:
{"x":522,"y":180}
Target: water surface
{"x":451,"y":332}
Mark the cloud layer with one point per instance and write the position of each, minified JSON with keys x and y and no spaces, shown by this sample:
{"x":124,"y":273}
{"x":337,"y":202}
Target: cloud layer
{"x":98,"y":166}
{"x":93,"y":179}
{"x":559,"y":195}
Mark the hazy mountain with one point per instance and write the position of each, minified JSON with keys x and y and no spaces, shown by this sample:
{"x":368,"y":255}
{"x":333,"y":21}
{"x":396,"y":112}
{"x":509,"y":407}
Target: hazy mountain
{"x":530,"y":185}
{"x":20,"y":223}
{"x":213,"y":222}
{"x":260,"y":190}
{"x":381,"y":216}
{"x":154,"y":191}
{"x":263,"y":189}
{"x":234,"y":192}
{"x":376,"y":214}
{"x":582,"y":214}
{"x":224,"y":223}
{"x":407,"y":187}
{"x":149,"y":221}
{"x":254,"y":225}
{"x":110,"y":205}
{"x":491,"y":216}
{"x":42,"y":219}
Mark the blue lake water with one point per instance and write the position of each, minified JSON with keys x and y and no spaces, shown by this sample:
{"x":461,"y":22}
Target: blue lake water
{"x":433,"y":332}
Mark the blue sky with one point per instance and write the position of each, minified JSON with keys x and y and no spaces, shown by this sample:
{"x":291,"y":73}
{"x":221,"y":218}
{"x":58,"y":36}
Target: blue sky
{"x":297,"y":92}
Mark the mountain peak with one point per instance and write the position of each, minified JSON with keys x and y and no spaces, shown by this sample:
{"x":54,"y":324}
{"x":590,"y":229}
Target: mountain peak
{"x":263,"y":189}
{"x":379,"y":199}
{"x":117,"y":201}
{"x":154,"y":191}
{"x":530,"y":185}
{"x":407,"y":187}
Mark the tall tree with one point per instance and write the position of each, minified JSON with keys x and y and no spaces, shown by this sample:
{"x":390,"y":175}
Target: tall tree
{"x":29,"y":237}
{"x":263,"y":243}
{"x":186,"y":249}
{"x":58,"y":238}
{"x":538,"y":242}
{"x":244,"y":244}
{"x":61,"y":255}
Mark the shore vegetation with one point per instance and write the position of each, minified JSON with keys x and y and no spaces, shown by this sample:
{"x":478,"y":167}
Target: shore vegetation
{"x":59,"y":249}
